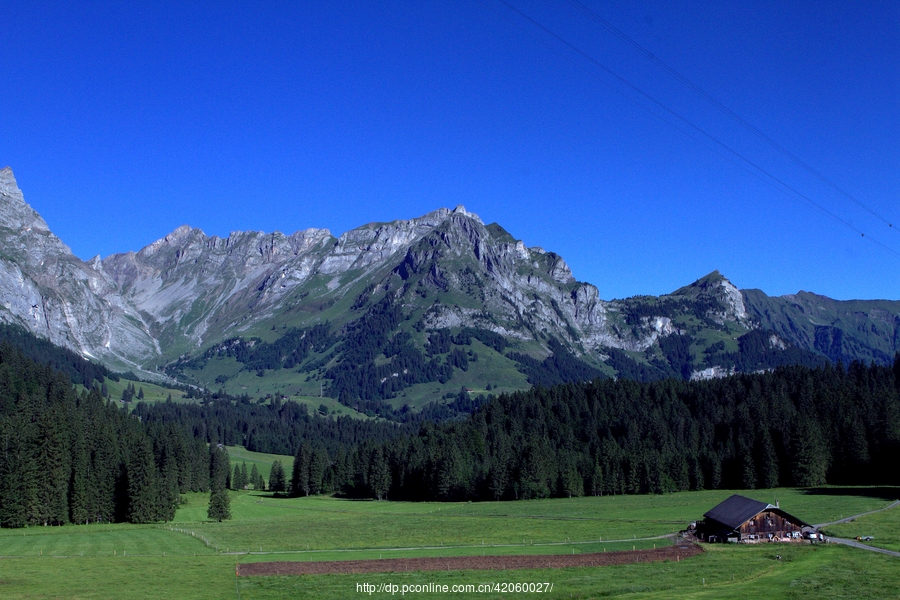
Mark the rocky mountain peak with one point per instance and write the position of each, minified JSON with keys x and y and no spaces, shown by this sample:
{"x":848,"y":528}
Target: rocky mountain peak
{"x":15,"y":213}
{"x":461,"y":210}
{"x":717,"y":287}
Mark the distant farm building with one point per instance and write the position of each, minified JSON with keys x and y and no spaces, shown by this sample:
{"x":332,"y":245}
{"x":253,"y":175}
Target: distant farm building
{"x":741,"y":519}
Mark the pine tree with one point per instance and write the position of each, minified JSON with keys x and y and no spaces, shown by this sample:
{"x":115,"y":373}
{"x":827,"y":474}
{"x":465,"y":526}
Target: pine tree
{"x":379,"y":474}
{"x":300,"y":480}
{"x":245,"y":478}
{"x":277,"y":481}
{"x":167,"y":463}
{"x":143,"y":482}
{"x":254,"y":478}
{"x":219,"y":505}
{"x":318,"y":465}
{"x":18,"y":472}
{"x":219,"y":470}
{"x":78,"y":483}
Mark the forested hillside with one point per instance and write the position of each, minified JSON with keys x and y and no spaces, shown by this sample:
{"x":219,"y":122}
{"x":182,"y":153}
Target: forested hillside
{"x":276,"y":427}
{"x":796,"y":426}
{"x":75,"y":457}
{"x":70,"y":457}
{"x":42,"y":351}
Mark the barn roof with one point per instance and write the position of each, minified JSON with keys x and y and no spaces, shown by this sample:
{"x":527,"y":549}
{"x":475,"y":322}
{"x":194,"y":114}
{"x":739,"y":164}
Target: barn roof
{"x":736,"y":510}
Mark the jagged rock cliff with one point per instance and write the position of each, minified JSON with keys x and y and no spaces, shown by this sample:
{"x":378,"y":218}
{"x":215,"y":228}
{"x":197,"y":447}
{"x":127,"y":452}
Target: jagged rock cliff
{"x":53,"y":293}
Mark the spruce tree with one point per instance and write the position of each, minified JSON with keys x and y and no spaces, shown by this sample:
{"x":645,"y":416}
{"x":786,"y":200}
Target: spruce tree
{"x":143,"y":482}
{"x":219,"y":505}
{"x":245,"y":478}
{"x":300,"y":481}
{"x":277,"y":481}
{"x":79,"y":496}
{"x":219,"y":470}
{"x":254,"y":477}
{"x":379,"y":474}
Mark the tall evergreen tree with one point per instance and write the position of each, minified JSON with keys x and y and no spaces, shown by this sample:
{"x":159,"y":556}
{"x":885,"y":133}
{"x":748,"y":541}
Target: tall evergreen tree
{"x":255,"y":477}
{"x":379,"y":474}
{"x":236,"y":481}
{"x":219,"y":470}
{"x":245,"y":477}
{"x":143,"y":482}
{"x":277,"y":478}
{"x":300,"y":479}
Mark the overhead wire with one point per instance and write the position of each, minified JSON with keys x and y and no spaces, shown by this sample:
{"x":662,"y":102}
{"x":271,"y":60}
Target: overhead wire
{"x":722,"y":107}
{"x":758,"y":171}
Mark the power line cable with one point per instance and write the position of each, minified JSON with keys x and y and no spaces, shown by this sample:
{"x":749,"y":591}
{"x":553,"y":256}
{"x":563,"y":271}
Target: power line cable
{"x":772,"y":180}
{"x":730,"y":113}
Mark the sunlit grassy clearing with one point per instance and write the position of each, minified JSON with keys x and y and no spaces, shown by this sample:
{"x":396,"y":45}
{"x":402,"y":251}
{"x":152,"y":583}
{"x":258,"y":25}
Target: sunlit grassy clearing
{"x":814,"y":506}
{"x":254,"y":554}
{"x":279,"y":524}
{"x":98,"y":540}
{"x":152,"y":392}
{"x":804,"y":571}
{"x":238,"y":455}
{"x":118,"y":577}
{"x":722,"y":572}
{"x":324,"y":523}
{"x":826,"y":571}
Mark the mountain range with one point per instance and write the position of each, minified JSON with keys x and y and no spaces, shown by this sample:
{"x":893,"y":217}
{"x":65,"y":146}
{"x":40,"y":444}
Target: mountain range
{"x":393,"y":315}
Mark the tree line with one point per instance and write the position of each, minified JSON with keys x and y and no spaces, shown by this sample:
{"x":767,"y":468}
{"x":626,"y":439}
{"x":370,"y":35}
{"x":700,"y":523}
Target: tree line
{"x":794,"y":426}
{"x":76,"y":457}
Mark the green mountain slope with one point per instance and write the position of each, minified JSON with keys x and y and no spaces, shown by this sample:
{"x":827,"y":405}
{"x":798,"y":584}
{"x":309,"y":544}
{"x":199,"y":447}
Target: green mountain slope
{"x":390,"y":316}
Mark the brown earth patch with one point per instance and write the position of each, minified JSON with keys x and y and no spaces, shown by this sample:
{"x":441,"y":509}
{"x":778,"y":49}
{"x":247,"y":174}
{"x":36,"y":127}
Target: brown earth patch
{"x":474,"y":563}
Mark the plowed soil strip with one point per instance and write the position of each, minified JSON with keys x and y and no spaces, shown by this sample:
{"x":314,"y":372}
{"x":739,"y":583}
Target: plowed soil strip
{"x":465,"y":563}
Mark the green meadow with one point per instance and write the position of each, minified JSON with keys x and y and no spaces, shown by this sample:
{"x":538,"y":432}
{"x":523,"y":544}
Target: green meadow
{"x":194,"y":558}
{"x":884,"y":527}
{"x":238,"y":455}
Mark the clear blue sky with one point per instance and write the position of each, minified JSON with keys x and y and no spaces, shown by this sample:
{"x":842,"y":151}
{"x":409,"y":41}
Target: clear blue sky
{"x":124,"y":120}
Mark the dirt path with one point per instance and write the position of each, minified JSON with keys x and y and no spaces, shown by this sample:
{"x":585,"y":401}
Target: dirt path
{"x":459,"y":563}
{"x":854,"y":543}
{"x":854,"y":517}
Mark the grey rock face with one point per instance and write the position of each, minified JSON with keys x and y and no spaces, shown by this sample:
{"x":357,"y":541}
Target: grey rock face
{"x":187,"y":291}
{"x":54,"y":294}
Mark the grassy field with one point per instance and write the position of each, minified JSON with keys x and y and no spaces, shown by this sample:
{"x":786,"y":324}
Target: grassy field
{"x":720,"y":573}
{"x":884,"y":527}
{"x":238,"y":455}
{"x":194,"y":558}
{"x":152,"y":392}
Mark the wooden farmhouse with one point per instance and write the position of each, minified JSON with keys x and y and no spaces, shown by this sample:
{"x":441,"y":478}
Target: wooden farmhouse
{"x":741,"y":519}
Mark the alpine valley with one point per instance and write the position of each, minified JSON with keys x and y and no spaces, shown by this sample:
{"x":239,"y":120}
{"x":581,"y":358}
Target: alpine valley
{"x":391,"y":316}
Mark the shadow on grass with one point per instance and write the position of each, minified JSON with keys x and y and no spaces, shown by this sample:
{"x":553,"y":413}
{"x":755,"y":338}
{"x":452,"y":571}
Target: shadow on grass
{"x":287,"y":496}
{"x":883,"y":492}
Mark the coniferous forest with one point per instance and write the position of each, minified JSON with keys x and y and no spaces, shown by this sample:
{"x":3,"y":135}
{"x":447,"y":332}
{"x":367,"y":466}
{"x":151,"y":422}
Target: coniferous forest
{"x":69,"y":456}
{"x":794,"y":426}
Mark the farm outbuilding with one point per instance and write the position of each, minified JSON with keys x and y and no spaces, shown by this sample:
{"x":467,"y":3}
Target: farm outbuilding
{"x":742,"y":519}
